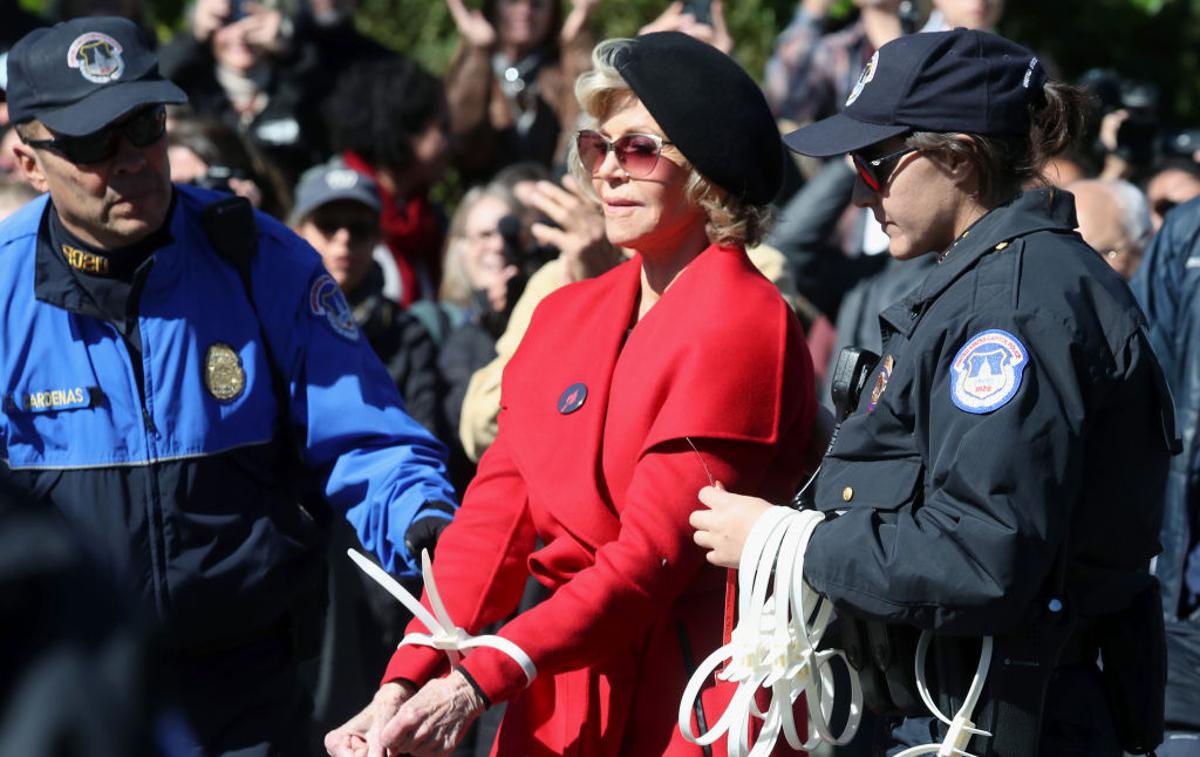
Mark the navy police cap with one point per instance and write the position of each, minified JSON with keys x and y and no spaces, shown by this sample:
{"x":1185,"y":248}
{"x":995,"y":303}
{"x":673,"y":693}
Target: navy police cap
{"x":956,"y":81}
{"x":79,"y":76}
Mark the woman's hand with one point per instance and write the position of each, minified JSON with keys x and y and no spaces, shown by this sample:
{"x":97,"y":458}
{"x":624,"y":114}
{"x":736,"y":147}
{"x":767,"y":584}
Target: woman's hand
{"x":582,"y":246}
{"x":722,"y":529}
{"x":576,"y":20}
{"x":674,"y":19}
{"x":473,"y":27}
{"x":360,"y":735}
{"x":435,"y":719}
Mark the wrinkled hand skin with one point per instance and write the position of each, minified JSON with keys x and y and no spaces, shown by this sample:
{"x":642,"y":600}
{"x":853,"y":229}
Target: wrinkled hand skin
{"x":360,"y":735}
{"x":435,"y":719}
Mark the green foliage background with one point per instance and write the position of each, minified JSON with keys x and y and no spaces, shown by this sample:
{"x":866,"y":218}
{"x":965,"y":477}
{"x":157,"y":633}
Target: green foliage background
{"x":1154,"y":40}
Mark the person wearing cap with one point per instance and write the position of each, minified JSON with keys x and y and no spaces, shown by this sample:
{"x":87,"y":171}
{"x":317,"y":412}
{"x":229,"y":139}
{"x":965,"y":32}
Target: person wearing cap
{"x":611,"y":419}
{"x":190,"y":390}
{"x":998,"y":477}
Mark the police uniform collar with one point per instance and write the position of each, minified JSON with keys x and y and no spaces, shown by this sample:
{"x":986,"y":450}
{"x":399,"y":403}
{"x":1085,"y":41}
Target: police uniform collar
{"x":74,"y":288}
{"x":1035,"y":210}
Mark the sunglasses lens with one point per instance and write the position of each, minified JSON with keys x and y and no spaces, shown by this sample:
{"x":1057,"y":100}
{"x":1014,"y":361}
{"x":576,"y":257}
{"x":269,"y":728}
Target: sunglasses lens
{"x":637,"y":154}
{"x":592,"y":149}
{"x":865,"y":173}
{"x":146,"y":127}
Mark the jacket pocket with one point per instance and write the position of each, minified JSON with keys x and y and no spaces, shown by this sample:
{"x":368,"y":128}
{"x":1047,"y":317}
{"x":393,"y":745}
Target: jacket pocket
{"x":886,"y":484}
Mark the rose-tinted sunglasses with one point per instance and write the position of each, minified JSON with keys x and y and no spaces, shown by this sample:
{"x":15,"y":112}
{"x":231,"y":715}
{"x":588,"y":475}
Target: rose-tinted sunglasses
{"x":143,"y":128}
{"x":637,"y":154}
{"x":875,"y":173}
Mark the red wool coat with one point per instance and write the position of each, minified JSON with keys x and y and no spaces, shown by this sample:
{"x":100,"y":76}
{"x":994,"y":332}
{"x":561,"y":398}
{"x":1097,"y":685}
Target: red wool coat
{"x":607,"y":489}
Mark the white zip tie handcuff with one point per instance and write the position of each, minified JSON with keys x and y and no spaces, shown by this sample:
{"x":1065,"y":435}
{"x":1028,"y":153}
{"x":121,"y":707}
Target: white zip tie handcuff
{"x":774,"y":646}
{"x":443,"y":634}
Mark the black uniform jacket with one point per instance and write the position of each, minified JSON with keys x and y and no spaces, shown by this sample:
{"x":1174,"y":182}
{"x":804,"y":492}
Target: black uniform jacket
{"x":1024,"y":414}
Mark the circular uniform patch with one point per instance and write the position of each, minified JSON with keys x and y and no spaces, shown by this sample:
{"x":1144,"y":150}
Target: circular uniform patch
{"x":987,"y":371}
{"x":97,"y":56}
{"x":326,"y":301}
{"x":224,"y":376}
{"x":572,"y":398}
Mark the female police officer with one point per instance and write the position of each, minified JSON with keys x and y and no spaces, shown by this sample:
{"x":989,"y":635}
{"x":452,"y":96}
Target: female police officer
{"x":999,"y":472}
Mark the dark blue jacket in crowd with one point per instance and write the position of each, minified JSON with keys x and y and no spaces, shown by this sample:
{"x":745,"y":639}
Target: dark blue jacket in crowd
{"x":1167,"y":285}
{"x":179,"y":480}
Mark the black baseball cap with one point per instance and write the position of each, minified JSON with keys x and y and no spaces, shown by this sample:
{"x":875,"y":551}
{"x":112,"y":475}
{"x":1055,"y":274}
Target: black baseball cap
{"x":957,"y":81}
{"x":81,"y":75}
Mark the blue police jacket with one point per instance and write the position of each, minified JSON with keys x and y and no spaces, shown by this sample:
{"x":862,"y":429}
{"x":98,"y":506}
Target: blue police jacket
{"x":181,"y":484}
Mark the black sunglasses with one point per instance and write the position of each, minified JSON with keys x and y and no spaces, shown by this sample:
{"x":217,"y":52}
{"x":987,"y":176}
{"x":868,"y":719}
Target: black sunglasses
{"x":637,"y":154}
{"x":142,"y":129}
{"x":358,"y":227}
{"x":875,"y":172}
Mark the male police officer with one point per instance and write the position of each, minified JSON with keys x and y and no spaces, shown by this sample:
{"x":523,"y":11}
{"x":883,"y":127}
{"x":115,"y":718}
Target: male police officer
{"x":177,"y":391}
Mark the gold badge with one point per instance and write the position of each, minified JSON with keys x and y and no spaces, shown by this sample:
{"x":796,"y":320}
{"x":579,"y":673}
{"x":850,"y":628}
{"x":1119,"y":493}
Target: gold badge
{"x":223,"y":373}
{"x":881,"y":381}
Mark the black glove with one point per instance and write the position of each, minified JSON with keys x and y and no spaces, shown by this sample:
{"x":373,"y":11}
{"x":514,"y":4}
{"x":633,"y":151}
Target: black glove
{"x":425,"y":529}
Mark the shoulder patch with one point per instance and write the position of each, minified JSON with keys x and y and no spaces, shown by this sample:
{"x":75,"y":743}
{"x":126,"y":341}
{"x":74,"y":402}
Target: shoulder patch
{"x":326,"y":301}
{"x":987,"y":371}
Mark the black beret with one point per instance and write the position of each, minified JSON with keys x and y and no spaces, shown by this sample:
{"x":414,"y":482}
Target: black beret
{"x":709,"y":108}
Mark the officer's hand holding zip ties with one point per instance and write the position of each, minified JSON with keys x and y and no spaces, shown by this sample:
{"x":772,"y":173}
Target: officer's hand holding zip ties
{"x":774,"y":645}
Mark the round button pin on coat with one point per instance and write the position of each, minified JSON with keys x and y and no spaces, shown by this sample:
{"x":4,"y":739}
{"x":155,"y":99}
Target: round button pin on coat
{"x":572,"y":398}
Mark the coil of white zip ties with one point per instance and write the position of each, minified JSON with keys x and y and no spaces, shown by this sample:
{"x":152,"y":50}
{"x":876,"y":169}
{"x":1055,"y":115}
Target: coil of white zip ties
{"x":774,"y":647}
{"x":443,"y":634}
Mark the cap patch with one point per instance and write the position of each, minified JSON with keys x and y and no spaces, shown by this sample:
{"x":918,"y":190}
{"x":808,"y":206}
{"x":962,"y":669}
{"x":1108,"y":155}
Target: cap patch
{"x":326,"y":301}
{"x":1029,"y":72}
{"x":341,"y":178}
{"x":97,"y":56}
{"x":868,"y":73}
{"x":987,"y":371}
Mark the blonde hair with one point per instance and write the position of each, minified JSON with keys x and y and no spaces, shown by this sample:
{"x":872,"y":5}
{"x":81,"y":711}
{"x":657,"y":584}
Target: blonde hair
{"x":729,"y":219}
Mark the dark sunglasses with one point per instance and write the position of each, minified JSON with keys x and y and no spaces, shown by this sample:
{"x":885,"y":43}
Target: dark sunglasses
{"x":142,"y":129}
{"x":359,"y":228}
{"x":637,"y":154}
{"x":875,"y":173}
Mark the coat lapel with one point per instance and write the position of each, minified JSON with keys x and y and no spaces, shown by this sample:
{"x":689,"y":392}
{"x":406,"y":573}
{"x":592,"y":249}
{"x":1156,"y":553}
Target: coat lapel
{"x":557,"y":448}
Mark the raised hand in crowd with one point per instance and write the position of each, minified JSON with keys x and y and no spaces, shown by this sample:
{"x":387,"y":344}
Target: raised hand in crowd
{"x":584,"y":250}
{"x":208,"y":16}
{"x":474,"y":29}
{"x":577,"y":20}
{"x":360,"y":736}
{"x":675,"y":19}
{"x":263,"y":27}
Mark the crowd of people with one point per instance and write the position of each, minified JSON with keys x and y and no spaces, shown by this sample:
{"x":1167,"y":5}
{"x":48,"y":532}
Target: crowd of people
{"x":649,"y":177}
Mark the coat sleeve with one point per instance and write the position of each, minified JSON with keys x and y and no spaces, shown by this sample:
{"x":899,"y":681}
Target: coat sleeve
{"x":969,"y":555}
{"x":368,"y":458}
{"x":608,"y":606}
{"x":480,"y":566}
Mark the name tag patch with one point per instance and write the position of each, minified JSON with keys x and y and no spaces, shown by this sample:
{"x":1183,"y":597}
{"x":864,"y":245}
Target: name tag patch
{"x":53,"y":400}
{"x":987,"y":371}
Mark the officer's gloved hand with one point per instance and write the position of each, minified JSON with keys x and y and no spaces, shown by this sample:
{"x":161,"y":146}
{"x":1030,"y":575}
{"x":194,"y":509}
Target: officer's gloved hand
{"x":425,"y":529}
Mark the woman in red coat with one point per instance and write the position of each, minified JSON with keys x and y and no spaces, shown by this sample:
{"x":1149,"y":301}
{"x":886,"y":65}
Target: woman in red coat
{"x":612,"y":418}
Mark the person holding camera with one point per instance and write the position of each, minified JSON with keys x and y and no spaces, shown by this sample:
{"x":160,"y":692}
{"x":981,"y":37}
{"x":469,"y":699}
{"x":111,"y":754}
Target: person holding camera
{"x":998,"y":475}
{"x":610,"y":417}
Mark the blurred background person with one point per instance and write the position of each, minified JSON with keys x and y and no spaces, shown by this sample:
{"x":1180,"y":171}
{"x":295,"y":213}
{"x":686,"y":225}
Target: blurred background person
{"x":510,"y":85}
{"x":1114,"y":219}
{"x":970,"y":14}
{"x":1174,"y":182}
{"x":209,"y":154}
{"x":230,"y":62}
{"x":390,"y":124}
